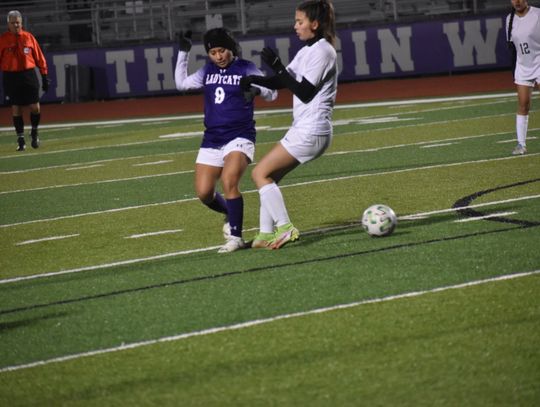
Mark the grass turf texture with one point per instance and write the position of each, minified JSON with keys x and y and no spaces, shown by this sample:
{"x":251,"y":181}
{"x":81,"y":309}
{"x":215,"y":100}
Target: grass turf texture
{"x":105,"y":184}
{"x":472,"y":346}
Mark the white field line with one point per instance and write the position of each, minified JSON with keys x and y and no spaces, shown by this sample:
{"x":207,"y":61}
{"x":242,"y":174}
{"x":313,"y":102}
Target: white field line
{"x":438,"y":145}
{"x":204,"y":249}
{"x":106,"y":181}
{"x":108,"y":146}
{"x":383,"y":173}
{"x":157,"y":122}
{"x":257,"y":322}
{"x":108,"y":160}
{"x":514,"y":140}
{"x":46,"y":239}
{"x":423,"y":215}
{"x":158,"y":233}
{"x":419,"y":143}
{"x":491,"y":215}
{"x":104,"y":266}
{"x":181,"y":135}
{"x":153,"y":163}
{"x":84,"y":167}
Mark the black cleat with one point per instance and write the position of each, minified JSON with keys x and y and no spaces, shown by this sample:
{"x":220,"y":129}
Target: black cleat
{"x":35,"y":141}
{"x":21,"y":144}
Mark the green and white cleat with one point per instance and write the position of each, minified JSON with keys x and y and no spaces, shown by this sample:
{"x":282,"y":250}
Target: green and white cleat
{"x":263,"y":241}
{"x":285,"y":234}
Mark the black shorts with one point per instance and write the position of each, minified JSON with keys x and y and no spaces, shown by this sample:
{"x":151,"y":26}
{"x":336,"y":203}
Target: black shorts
{"x":21,"y":88}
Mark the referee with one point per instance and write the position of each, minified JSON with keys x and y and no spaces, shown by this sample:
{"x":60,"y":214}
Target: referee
{"x":20,"y":54}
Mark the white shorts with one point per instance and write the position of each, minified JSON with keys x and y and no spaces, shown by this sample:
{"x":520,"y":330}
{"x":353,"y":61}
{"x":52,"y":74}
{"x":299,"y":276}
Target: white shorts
{"x":527,"y":82}
{"x":216,"y":156}
{"x":305,"y":147}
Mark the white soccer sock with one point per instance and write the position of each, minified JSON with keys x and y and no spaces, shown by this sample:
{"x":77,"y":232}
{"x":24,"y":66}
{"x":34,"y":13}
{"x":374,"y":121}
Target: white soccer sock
{"x":273,"y":203}
{"x":266,"y":223}
{"x":522,"y":123}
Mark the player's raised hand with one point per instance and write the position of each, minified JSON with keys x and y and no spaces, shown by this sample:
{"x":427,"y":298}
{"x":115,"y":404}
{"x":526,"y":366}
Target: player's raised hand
{"x":184,"y":40}
{"x":271,"y":59}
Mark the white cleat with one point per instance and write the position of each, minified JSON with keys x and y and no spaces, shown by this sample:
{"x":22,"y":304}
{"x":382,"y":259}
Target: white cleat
{"x":519,"y":150}
{"x":233,"y":244}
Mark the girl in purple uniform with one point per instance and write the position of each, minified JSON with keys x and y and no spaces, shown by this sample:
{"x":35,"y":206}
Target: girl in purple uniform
{"x":228,"y":144}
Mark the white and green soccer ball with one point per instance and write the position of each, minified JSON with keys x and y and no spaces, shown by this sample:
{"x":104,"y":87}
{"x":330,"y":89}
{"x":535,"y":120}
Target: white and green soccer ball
{"x":379,"y":220}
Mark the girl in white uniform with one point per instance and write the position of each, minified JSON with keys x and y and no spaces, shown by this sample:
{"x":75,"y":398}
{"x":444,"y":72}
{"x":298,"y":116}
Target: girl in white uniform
{"x":312,"y":77}
{"x":523,"y":35}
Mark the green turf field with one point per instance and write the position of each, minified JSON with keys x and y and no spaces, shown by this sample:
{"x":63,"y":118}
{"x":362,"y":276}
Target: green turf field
{"x":112,"y":291}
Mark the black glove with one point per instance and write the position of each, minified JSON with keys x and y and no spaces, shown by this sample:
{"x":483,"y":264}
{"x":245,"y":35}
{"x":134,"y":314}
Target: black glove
{"x":45,"y":82}
{"x":184,"y":41}
{"x":271,"y":59}
{"x":245,"y":83}
{"x":250,"y":94}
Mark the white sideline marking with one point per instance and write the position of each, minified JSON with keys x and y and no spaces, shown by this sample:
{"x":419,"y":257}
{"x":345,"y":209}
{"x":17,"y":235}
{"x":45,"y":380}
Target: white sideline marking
{"x":492,"y":215}
{"x":373,"y":120}
{"x":423,"y":215}
{"x":437,"y":145}
{"x":179,"y":135}
{"x":157,"y":122}
{"x":153,"y":163}
{"x":135,"y":157}
{"x":429,"y":167}
{"x":46,"y":239}
{"x":106,"y":181}
{"x":263,"y":321}
{"x":107,"y":126}
{"x":84,"y":168}
{"x":515,"y":141}
{"x":161,"y":232}
{"x":103,"y":266}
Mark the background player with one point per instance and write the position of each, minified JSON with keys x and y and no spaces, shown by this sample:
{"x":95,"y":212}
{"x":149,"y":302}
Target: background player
{"x":228,"y":143}
{"x":19,"y":55}
{"x":523,"y":32}
{"x":312,"y":77}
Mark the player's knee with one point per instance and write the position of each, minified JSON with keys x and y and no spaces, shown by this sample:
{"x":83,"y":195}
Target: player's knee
{"x":206,"y":197}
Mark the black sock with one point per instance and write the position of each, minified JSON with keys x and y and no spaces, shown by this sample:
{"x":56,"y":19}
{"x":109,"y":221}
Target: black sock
{"x":18,"y":123}
{"x":34,"y":119}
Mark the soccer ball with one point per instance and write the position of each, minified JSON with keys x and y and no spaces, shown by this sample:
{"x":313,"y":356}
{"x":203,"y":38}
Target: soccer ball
{"x":379,"y":220}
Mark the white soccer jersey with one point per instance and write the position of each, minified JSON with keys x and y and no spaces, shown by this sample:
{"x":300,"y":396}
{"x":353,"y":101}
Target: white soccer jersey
{"x":526,"y":37}
{"x":317,"y":63}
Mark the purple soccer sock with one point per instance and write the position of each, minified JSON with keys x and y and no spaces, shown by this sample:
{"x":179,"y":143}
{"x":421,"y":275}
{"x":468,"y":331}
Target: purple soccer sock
{"x":235,"y":208}
{"x":218,"y":204}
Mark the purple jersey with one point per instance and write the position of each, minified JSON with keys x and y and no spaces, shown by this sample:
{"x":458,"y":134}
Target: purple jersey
{"x":227,"y":114}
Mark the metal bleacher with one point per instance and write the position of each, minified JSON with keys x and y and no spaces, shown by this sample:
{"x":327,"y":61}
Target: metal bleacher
{"x":60,"y":24}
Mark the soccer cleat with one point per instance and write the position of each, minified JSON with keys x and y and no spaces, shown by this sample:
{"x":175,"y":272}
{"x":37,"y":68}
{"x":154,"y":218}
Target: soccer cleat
{"x":519,"y":150}
{"x":35,"y":140}
{"x":233,"y":244}
{"x":21,"y":144}
{"x":226,"y":230}
{"x":285,"y":234}
{"x":263,"y":241}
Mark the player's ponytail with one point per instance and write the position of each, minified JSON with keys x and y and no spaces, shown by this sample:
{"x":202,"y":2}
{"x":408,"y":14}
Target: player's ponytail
{"x":323,"y":12}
